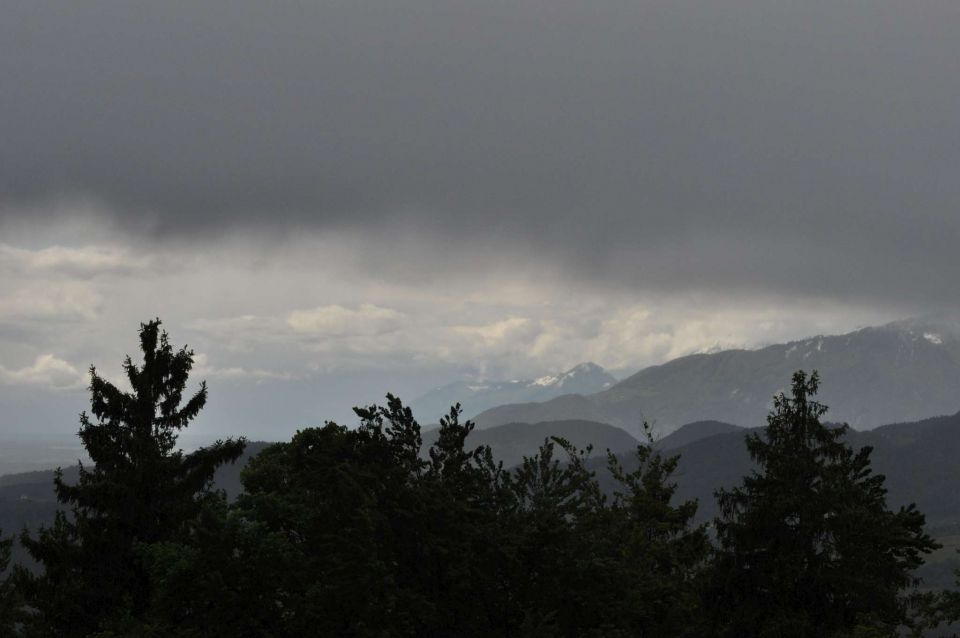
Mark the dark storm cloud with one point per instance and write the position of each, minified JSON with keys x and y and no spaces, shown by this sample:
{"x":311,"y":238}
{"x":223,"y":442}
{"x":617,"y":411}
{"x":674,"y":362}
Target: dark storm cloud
{"x":810,"y":146}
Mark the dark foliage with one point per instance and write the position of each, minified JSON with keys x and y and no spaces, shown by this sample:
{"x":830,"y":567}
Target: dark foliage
{"x":367,"y":532}
{"x":140,"y":490}
{"x":10,"y":603}
{"x":808,"y":546}
{"x":351,"y":532}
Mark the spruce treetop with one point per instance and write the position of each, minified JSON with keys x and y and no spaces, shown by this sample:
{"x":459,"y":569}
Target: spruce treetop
{"x":139,"y":490}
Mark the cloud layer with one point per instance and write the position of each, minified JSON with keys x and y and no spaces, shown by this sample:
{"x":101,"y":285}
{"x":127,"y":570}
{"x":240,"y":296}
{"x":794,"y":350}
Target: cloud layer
{"x":800,"y":147}
{"x":291,"y":337}
{"x":46,"y":371}
{"x":347,"y":197}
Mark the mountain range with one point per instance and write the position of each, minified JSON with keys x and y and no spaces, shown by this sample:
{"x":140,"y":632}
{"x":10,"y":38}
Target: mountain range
{"x":918,"y":459}
{"x":476,"y":396}
{"x":903,"y":371}
{"x":511,"y":442}
{"x":884,"y":381}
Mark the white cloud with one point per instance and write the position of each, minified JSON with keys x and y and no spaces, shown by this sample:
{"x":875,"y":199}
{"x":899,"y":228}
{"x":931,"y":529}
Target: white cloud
{"x":510,"y":340}
{"x":47,"y":371}
{"x":243,"y":333}
{"x":338,"y":321}
{"x":258,"y":313}
{"x":82,"y":262}
{"x":65,"y":300}
{"x":61,"y":283}
{"x":511,"y":328}
{"x":202,"y":369}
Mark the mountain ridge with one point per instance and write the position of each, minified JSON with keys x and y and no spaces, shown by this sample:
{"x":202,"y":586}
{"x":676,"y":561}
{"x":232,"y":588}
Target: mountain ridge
{"x":901,"y":371}
{"x":477,"y":396}
{"x":511,"y":442}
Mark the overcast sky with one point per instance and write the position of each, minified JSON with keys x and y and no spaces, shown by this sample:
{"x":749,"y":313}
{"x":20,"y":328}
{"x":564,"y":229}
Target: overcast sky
{"x":329,"y":200}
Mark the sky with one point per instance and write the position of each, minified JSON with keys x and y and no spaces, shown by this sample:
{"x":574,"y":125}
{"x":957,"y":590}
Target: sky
{"x":332,"y":200}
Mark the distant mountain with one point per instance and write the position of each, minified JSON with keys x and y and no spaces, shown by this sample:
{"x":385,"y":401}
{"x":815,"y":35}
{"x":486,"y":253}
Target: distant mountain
{"x":902,"y":371}
{"x":475,"y":397}
{"x":28,"y":499}
{"x":694,"y":432}
{"x":567,"y":406}
{"x":511,"y":442}
{"x":918,"y":459}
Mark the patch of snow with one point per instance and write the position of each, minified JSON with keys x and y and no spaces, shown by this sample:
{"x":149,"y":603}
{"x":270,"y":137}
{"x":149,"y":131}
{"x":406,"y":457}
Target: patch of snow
{"x":714,"y":349}
{"x":545,"y":381}
{"x":933,"y":338}
{"x":477,"y":388}
{"x":790,"y":351}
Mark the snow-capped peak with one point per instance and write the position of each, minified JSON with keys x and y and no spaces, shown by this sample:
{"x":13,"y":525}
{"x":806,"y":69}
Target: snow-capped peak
{"x":577,"y":372}
{"x":547,"y":380}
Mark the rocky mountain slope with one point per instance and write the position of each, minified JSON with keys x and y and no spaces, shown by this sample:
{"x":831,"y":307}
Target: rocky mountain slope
{"x":902,"y":371}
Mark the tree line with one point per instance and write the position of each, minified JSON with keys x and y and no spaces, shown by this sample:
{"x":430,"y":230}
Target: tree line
{"x":356,"y":532}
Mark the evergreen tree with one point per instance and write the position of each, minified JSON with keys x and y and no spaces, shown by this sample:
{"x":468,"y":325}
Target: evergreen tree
{"x":359,"y":532}
{"x":663,"y":553}
{"x":9,"y":599}
{"x":592,"y":565}
{"x":225,"y":576}
{"x":140,"y":490}
{"x":808,"y":546}
{"x":554,"y":505}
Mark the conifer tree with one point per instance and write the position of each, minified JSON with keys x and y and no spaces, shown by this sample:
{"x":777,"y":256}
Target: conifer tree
{"x":140,"y":489}
{"x":360,"y":532}
{"x":9,"y":601}
{"x":663,"y":552}
{"x":808,"y":546}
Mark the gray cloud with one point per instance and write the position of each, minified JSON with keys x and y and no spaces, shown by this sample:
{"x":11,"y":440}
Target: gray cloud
{"x":747,"y":144}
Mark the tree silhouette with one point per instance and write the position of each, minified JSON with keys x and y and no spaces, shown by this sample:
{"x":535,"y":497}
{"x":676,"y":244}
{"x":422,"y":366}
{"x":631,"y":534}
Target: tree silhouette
{"x":139,"y":490}
{"x":808,"y":546}
{"x":359,"y":532}
{"x":10,"y":605}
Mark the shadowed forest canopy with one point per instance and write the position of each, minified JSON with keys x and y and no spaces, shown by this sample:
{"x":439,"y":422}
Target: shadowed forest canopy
{"x":365,"y":531}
